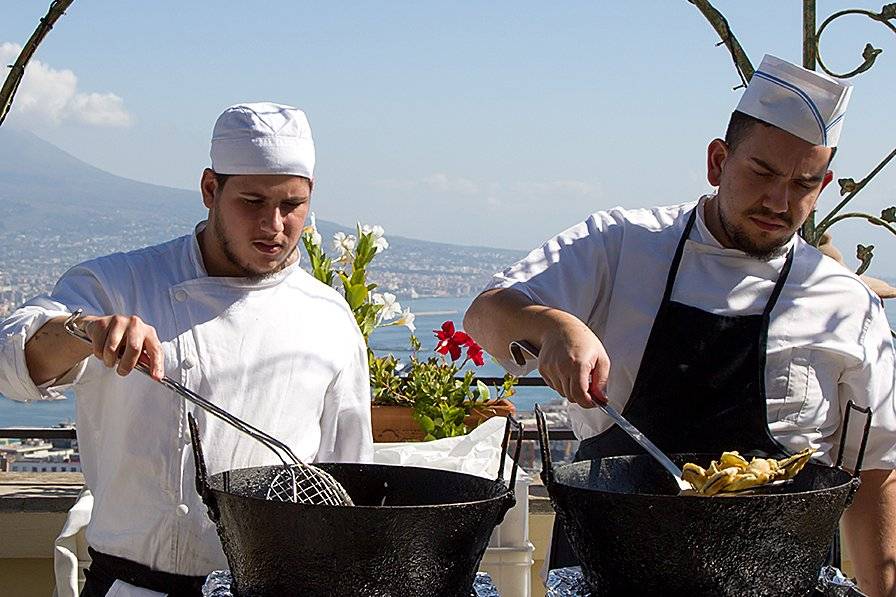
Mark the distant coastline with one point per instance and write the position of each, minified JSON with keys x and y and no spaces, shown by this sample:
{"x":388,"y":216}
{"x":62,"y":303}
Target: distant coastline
{"x":431,"y":312}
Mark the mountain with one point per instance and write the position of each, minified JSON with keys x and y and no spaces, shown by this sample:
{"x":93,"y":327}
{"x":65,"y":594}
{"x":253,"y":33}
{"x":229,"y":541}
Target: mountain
{"x":56,"y":210}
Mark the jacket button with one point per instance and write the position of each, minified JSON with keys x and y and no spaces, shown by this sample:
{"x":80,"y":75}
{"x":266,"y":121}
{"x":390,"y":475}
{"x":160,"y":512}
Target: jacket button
{"x":187,"y":363}
{"x":180,"y":295}
{"x":182,"y":510}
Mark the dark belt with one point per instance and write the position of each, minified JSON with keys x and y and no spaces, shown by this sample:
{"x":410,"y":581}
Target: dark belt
{"x":105,"y":569}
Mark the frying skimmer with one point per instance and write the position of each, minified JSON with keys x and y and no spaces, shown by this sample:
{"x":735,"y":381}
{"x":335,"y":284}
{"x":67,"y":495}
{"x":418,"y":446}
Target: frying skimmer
{"x":298,"y":482}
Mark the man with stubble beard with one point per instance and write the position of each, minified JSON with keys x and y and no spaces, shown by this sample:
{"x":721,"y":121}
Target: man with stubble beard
{"x":712,"y":325}
{"x":227,"y":312}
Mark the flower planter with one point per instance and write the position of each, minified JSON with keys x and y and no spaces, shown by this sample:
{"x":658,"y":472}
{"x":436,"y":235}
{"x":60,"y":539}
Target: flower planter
{"x":396,"y":423}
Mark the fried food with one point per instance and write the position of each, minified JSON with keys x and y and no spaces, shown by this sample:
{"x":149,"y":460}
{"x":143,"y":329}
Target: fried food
{"x":732,"y":472}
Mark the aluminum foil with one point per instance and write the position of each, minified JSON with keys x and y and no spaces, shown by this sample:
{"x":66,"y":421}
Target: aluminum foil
{"x":569,"y":582}
{"x":484,"y":587}
{"x":218,"y":585}
{"x":833,"y":583}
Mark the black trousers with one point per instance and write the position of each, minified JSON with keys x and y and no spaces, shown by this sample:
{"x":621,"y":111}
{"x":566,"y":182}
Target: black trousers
{"x":105,"y":569}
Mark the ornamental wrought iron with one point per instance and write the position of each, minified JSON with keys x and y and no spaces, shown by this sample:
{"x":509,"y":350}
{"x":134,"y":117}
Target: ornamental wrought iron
{"x":17,"y":70}
{"x":849,"y":187}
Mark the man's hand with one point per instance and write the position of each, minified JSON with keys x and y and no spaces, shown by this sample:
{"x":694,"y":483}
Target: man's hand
{"x":571,"y":358}
{"x":125,"y":340}
{"x":574,"y":362}
{"x":119,"y":341}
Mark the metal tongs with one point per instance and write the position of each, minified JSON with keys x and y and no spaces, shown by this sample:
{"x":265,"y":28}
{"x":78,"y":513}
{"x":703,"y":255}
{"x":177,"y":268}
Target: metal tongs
{"x":298,"y":482}
{"x":520,"y":348}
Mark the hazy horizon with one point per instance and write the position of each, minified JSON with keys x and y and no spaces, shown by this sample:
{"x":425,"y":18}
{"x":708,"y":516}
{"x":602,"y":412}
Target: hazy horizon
{"x":493,"y":125}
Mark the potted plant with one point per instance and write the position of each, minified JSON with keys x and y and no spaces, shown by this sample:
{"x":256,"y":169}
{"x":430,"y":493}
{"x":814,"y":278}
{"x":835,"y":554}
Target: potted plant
{"x":427,"y":398}
{"x":434,"y":397}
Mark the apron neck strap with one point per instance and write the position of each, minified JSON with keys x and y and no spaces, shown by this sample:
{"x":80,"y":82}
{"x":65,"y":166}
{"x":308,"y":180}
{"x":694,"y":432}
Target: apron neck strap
{"x":673,"y":268}
{"x":779,"y":284}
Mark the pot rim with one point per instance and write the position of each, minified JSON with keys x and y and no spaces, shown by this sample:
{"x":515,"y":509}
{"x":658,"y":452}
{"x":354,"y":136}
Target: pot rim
{"x":728,"y":496}
{"x":508,"y":491}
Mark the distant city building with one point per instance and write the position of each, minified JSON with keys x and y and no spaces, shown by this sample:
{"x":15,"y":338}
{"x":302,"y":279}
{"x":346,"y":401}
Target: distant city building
{"x":39,"y":456}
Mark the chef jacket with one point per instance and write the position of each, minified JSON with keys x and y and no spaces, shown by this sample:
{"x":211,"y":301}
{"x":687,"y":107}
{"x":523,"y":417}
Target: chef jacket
{"x":283,"y":353}
{"x":828,"y":342}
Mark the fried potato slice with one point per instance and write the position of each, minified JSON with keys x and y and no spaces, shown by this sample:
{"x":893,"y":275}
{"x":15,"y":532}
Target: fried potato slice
{"x":791,"y":465}
{"x":731,"y":472}
{"x":729,"y":459}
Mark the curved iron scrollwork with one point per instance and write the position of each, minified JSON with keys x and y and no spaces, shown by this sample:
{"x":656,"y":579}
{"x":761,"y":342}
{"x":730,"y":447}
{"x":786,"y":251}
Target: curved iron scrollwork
{"x":849,"y":188}
{"x":870,"y":53}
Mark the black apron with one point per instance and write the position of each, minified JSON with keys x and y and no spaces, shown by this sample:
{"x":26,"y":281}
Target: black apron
{"x":700,"y":387}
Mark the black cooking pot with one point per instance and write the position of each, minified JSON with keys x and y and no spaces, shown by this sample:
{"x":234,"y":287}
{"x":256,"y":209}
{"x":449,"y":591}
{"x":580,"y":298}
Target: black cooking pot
{"x":412,"y":531}
{"x":634,"y":535}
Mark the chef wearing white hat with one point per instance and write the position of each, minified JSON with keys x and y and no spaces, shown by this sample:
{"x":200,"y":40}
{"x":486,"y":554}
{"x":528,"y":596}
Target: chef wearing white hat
{"x":711,"y":324}
{"x":226,"y":311}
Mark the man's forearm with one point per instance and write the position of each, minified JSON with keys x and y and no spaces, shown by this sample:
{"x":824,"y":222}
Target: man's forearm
{"x":870,"y":533}
{"x":51,"y":351}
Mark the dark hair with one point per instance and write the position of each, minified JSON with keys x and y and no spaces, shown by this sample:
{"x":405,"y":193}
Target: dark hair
{"x":739,"y":127}
{"x":221,"y":179}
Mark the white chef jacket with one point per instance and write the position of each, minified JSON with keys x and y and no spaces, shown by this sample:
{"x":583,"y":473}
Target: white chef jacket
{"x":283,"y":354}
{"x":828,"y":340}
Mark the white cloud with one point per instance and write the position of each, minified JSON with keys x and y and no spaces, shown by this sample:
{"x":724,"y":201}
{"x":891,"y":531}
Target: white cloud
{"x":49,"y":97}
{"x":442,"y":183}
{"x":495,"y":193}
{"x":435,"y":183}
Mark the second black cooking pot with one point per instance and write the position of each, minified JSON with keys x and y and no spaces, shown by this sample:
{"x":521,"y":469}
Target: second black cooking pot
{"x":634,"y":535}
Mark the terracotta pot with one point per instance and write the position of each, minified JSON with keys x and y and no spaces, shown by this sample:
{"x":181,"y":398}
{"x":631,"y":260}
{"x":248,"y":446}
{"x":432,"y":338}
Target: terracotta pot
{"x":396,"y":423}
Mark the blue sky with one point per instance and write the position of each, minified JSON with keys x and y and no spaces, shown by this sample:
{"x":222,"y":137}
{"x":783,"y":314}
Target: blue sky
{"x":495,"y":123}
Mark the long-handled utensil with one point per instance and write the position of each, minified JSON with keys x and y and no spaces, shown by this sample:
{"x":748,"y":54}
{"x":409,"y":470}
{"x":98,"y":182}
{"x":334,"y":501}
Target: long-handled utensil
{"x":520,"y":348}
{"x":298,"y":482}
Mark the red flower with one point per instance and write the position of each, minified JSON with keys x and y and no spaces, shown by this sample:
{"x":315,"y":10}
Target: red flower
{"x":474,"y":353}
{"x":451,"y":341}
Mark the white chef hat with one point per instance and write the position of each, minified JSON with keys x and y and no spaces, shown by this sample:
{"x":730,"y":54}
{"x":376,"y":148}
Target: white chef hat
{"x":262,"y":138}
{"x":807,"y":104}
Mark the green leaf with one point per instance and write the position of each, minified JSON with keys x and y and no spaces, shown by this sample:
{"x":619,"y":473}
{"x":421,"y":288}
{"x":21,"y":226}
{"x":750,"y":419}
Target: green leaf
{"x":427,"y":424}
{"x":484,"y":393}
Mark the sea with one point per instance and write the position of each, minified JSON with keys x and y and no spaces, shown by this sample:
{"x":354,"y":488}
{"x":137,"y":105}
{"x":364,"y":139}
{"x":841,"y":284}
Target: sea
{"x":430,"y":313}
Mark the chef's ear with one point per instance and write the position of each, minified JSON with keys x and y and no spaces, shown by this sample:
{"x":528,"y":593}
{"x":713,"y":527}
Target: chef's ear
{"x":716,"y":154}
{"x":208,"y":185}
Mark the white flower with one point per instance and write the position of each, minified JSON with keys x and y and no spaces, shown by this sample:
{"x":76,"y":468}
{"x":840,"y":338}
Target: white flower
{"x":344,"y":244}
{"x":376,"y":231}
{"x":311,"y":229}
{"x":379,"y":241}
{"x":406,"y":319}
{"x":391,"y":307}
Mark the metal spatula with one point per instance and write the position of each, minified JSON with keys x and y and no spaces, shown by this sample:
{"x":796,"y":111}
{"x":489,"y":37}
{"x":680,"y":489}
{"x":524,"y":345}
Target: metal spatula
{"x":520,"y":348}
{"x":297,"y":482}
